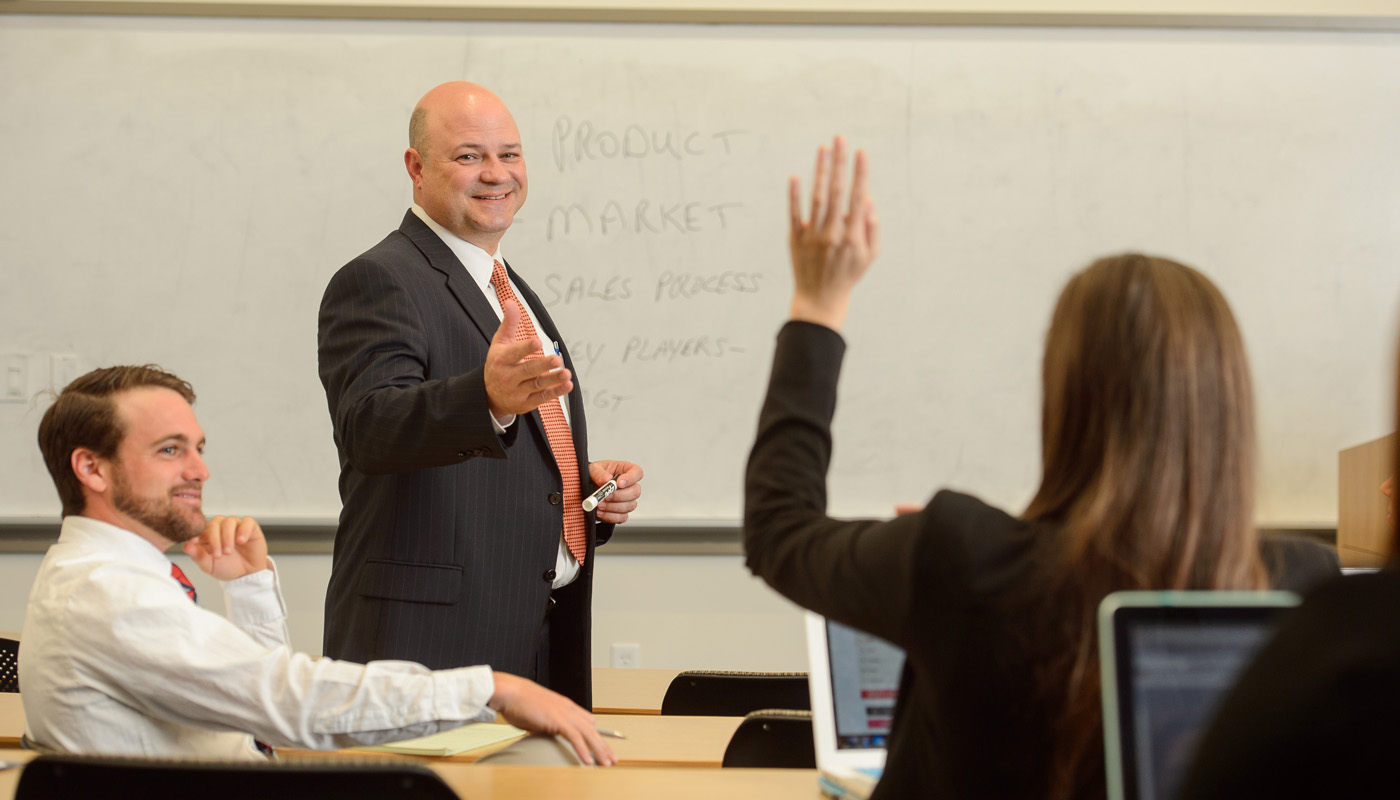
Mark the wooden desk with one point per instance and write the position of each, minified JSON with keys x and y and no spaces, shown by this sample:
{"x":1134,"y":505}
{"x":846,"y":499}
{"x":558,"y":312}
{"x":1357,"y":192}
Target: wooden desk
{"x":630,"y":691}
{"x":9,"y":778}
{"x":485,"y":782}
{"x":546,"y":783}
{"x":652,"y":741}
{"x":657,"y":741}
{"x":11,"y":719}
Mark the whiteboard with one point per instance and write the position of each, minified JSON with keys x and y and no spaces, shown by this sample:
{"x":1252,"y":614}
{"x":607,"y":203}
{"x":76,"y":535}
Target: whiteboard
{"x":179,"y":191}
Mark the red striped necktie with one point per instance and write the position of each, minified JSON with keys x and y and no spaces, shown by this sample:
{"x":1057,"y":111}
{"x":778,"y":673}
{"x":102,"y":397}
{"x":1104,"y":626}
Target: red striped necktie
{"x":179,"y":576}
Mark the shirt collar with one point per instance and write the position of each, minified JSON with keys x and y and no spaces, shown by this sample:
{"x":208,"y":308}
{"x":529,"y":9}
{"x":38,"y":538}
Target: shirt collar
{"x":110,"y":538}
{"x":478,"y":262}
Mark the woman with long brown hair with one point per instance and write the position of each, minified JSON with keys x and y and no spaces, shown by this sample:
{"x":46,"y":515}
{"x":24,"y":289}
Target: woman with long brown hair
{"x":1147,"y":482}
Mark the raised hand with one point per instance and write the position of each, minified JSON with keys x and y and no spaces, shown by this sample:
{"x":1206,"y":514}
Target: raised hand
{"x":832,"y":248}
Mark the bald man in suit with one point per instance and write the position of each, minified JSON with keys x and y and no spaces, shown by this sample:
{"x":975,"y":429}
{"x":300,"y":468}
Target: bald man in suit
{"x":451,"y":547}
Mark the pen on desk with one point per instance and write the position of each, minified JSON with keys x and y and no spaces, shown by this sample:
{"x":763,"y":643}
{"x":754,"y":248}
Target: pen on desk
{"x":591,"y":502}
{"x":610,"y":733}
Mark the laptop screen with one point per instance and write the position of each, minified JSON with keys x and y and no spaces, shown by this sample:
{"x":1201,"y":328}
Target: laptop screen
{"x":864,"y":681}
{"x":1174,"y":656}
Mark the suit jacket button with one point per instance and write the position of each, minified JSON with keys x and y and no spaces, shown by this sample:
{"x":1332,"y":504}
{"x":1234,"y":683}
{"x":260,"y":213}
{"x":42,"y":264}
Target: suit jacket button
{"x":555,"y":499}
{"x":549,"y":576}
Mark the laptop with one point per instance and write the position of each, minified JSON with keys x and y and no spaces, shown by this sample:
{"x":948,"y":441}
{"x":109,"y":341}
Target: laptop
{"x":854,"y":678}
{"x":1166,"y":660}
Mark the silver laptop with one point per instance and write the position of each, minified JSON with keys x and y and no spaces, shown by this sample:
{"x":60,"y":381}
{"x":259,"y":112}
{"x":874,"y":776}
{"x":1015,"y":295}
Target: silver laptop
{"x":854,"y":679}
{"x":1166,"y":661}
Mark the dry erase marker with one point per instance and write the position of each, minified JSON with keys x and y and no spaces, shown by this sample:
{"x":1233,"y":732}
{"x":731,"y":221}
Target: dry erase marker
{"x":557,"y":353}
{"x":591,"y":502}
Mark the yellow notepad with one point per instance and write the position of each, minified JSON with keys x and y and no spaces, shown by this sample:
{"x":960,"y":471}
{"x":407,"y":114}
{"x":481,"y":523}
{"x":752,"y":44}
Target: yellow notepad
{"x":450,"y":743}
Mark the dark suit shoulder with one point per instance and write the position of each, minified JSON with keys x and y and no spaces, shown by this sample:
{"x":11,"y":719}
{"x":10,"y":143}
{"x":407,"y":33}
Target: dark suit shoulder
{"x":951,"y":505}
{"x":978,"y":525}
{"x":392,"y":252}
{"x":1298,"y":563}
{"x":997,"y":550}
{"x":395,"y":267}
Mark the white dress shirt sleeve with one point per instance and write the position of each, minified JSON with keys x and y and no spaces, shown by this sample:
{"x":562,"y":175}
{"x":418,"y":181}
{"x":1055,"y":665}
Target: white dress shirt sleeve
{"x":143,"y":642}
{"x":254,"y":603}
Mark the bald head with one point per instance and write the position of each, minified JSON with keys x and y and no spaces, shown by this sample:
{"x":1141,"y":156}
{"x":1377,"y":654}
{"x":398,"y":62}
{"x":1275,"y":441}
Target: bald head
{"x":462,"y":97}
{"x":465,"y":159}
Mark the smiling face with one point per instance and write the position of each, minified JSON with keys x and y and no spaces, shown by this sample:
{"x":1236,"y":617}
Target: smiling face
{"x":158,"y":473}
{"x":466,"y":162}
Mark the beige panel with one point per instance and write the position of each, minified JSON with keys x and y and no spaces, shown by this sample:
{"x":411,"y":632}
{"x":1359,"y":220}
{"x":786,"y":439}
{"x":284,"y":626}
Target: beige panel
{"x":1363,"y":534}
{"x":1297,"y":14}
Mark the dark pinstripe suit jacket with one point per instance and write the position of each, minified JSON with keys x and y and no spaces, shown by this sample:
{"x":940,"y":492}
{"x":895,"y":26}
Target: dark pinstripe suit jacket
{"x":448,"y":533}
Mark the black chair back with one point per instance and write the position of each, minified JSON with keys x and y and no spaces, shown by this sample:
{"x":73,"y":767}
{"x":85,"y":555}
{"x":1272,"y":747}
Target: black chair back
{"x":9,"y":665}
{"x":67,"y":776}
{"x":707,"y":693}
{"x":773,"y":739}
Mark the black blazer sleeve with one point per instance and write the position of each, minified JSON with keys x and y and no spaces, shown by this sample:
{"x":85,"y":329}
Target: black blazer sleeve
{"x":888,"y":578}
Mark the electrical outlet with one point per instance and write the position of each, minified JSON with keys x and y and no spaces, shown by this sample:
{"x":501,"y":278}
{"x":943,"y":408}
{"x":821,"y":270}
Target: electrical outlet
{"x":626,"y":655}
{"x":14,"y":378}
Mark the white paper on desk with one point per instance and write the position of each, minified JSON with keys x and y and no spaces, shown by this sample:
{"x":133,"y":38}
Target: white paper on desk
{"x":450,"y":743}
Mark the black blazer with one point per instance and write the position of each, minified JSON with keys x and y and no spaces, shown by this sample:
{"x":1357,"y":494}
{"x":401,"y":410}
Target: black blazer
{"x":448,"y":533}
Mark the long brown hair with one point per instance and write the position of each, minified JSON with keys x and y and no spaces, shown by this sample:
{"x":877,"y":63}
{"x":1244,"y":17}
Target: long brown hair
{"x":1147,"y":434}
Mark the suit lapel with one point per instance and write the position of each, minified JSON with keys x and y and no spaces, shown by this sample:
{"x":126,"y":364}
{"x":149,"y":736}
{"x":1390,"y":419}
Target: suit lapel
{"x":459,"y":281}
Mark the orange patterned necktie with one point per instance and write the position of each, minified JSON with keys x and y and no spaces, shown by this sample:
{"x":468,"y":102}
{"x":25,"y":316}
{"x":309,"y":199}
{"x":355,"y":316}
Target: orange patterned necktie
{"x":561,"y":440}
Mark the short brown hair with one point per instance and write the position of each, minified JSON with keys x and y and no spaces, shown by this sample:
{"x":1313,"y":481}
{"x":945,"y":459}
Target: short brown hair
{"x":84,"y":415}
{"x":418,"y":131}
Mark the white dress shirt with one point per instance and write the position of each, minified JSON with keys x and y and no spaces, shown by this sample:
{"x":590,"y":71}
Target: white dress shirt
{"x":117,"y":660}
{"x":479,"y":264}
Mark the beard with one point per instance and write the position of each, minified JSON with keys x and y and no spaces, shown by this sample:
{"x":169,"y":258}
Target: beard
{"x":159,"y":514}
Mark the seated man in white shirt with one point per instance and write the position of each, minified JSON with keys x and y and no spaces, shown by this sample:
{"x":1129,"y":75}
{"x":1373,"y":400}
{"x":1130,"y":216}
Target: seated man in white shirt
{"x":118,"y":660}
